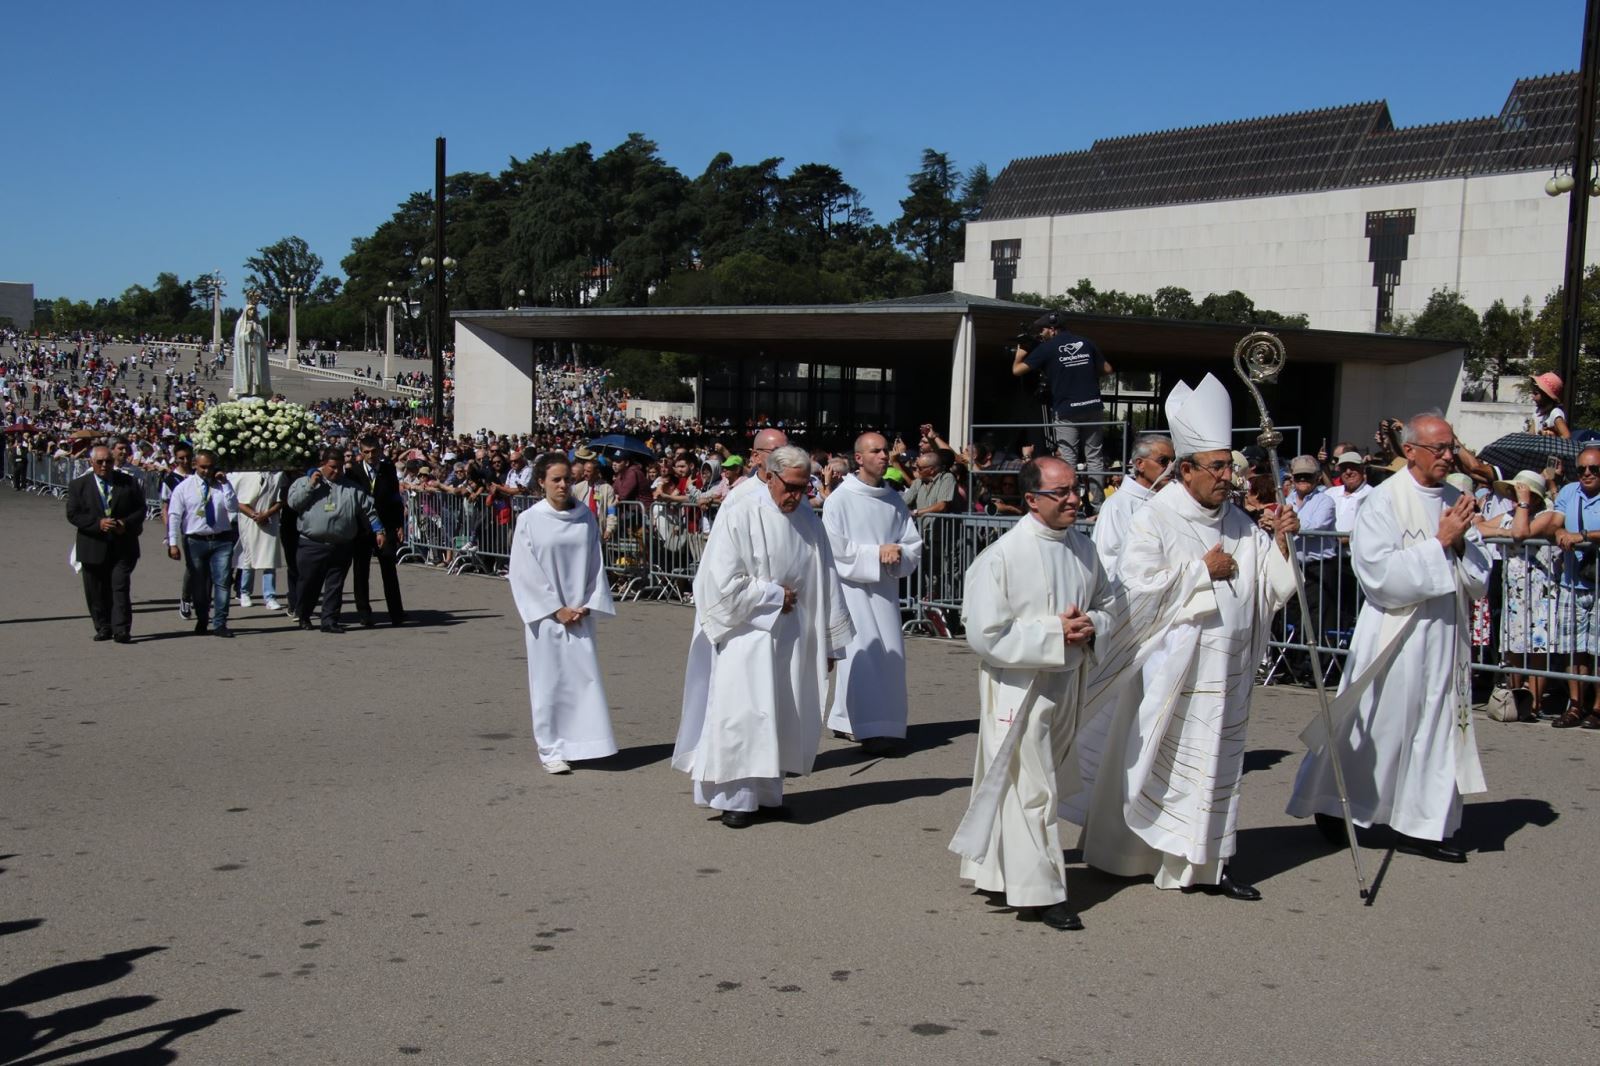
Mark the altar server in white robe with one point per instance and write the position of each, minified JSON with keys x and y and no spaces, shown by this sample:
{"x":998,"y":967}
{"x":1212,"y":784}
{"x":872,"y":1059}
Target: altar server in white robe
{"x":768,"y":600}
{"x":1403,"y":718}
{"x":1035,"y":600}
{"x":1165,"y":797}
{"x":559,"y":582}
{"x":875,"y":544}
{"x":1152,"y":455}
{"x":697,"y":667}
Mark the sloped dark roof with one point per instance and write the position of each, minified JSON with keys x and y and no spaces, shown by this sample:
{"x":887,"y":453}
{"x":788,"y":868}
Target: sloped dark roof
{"x":1307,"y":151}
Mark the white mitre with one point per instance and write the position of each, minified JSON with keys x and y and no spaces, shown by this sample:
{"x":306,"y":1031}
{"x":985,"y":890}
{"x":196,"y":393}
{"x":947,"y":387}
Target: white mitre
{"x":1201,"y":418}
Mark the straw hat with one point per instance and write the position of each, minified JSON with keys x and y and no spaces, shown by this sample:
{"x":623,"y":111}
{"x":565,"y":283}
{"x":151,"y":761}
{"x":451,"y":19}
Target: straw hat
{"x":1461,"y":482}
{"x":1507,"y":490}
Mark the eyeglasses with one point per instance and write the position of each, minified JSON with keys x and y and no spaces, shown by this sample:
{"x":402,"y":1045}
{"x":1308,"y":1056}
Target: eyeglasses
{"x":1215,"y":468}
{"x":1304,"y":477}
{"x":791,"y":489}
{"x":1586,"y":468}
{"x":1436,"y":449}
{"x":1159,"y":460}
{"x":1056,"y":494}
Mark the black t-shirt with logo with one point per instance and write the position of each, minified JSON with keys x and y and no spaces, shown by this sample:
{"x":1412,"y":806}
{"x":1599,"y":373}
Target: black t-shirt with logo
{"x":1072,"y":366}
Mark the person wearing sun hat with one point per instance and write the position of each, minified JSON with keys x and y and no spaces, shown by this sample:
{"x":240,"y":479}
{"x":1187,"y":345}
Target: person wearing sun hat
{"x":1549,"y":420}
{"x":1529,"y":588}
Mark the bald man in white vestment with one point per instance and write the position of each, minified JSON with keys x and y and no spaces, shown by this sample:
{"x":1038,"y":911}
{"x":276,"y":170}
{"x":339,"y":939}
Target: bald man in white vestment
{"x":1035,"y":600}
{"x":875,"y":544}
{"x":1165,"y":799}
{"x":1152,"y":455}
{"x":768,"y":600}
{"x":1403,"y":727}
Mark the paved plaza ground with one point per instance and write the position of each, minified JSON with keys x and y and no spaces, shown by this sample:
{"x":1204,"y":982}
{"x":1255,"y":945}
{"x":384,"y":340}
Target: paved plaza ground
{"x":300,"y":848}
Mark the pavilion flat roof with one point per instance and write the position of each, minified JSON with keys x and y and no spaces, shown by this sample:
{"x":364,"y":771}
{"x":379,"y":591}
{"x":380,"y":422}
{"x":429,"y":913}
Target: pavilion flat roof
{"x":853,"y":332}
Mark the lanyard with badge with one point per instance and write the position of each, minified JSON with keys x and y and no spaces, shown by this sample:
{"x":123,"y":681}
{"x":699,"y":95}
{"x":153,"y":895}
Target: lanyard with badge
{"x":105,"y":495}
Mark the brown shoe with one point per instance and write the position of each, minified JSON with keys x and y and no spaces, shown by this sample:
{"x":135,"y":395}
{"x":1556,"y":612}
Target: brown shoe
{"x":1571,"y":717}
{"x":1590,"y":721}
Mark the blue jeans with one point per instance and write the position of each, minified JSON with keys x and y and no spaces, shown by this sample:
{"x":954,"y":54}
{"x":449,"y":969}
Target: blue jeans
{"x":211,"y":563}
{"x":269,"y":583}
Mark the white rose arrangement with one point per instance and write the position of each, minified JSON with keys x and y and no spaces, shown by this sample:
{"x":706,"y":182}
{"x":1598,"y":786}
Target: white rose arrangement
{"x":259,"y":436}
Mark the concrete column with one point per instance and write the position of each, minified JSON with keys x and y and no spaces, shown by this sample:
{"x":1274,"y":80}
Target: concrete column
{"x":216,"y":322}
{"x":963,"y":364}
{"x":294,"y":333}
{"x":388,"y":343}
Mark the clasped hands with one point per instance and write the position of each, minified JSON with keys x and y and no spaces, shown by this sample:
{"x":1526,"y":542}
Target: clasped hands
{"x":889,"y":554}
{"x":112,"y":525}
{"x":1454,"y":522}
{"x":571,"y":616}
{"x":1076,"y":627}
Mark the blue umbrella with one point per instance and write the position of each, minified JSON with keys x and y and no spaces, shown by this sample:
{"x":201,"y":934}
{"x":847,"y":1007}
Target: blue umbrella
{"x":623,"y":443}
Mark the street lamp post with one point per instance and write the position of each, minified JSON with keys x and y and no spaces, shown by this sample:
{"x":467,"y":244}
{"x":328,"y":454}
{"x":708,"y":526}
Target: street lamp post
{"x":1582,"y":165}
{"x":389,"y":299}
{"x":294,"y":327}
{"x":217,"y":281}
{"x":428,"y":263}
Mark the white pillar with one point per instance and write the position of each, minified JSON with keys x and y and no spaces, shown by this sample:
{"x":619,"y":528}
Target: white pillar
{"x":294,"y":333}
{"x":216,"y":322}
{"x":963,"y":362}
{"x":388,"y":343}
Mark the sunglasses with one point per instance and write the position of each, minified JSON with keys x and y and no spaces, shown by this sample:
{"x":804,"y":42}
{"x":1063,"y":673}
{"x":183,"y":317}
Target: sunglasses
{"x":1586,"y":468}
{"x":1056,"y":494}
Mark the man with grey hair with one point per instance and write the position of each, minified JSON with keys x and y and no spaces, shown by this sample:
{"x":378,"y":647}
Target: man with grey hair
{"x":1152,"y":456}
{"x":1402,"y":722}
{"x":768,"y":601}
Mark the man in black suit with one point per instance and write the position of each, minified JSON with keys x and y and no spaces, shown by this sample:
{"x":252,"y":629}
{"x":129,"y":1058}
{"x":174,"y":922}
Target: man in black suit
{"x":378,"y":477}
{"x":107,"y":507}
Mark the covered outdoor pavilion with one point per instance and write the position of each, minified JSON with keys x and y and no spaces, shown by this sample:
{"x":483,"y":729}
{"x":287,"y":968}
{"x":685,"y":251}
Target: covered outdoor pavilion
{"x":943,"y":358}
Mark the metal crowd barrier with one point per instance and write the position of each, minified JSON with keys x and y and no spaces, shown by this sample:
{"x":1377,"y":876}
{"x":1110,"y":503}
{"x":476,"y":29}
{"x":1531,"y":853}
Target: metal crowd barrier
{"x":49,"y":476}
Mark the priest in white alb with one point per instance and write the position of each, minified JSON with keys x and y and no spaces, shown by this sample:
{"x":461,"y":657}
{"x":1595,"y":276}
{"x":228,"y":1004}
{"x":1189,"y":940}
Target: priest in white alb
{"x":768,"y":601}
{"x":1035,"y":601}
{"x":1402,"y":722}
{"x":558,"y":580}
{"x":1152,"y":455}
{"x":1163,"y":797}
{"x":875,"y":544}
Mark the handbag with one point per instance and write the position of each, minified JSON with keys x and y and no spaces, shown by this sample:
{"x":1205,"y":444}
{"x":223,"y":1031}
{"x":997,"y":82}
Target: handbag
{"x":1507,"y":704}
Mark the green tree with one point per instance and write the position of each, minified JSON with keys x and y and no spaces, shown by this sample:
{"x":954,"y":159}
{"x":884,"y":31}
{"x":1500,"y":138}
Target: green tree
{"x":1507,"y":338}
{"x":1446,"y":316}
{"x":650,"y":375}
{"x":930,"y":225}
{"x":1547,"y":347}
{"x":284,"y":263}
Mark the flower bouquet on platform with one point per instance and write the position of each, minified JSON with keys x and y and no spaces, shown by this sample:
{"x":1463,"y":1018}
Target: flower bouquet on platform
{"x":259,"y":435}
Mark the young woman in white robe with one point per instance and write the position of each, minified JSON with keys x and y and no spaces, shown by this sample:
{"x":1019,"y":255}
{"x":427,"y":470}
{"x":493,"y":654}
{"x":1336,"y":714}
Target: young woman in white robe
{"x":559,"y":582}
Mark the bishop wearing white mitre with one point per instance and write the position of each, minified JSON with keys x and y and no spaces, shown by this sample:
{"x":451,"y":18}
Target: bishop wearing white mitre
{"x":1165,"y":797}
{"x":768,"y":600}
{"x":875,"y":543}
{"x":1403,"y":718}
{"x":1036,"y":601}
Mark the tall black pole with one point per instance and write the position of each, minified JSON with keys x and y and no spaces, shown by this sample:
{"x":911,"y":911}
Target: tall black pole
{"x":439,"y":324}
{"x":1578,"y":209}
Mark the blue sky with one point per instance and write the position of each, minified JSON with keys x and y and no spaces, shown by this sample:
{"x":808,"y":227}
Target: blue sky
{"x":181,"y":136}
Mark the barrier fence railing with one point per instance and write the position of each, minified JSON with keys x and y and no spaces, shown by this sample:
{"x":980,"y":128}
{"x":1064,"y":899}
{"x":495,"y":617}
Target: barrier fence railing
{"x":1537,"y":621}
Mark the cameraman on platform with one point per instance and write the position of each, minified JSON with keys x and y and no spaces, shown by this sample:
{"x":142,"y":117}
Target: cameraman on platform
{"x":1072,"y":368}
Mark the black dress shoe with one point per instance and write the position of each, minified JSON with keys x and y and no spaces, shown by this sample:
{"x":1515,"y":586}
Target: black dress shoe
{"x":225,"y":632}
{"x":738,"y":819}
{"x":881,"y":747}
{"x":102,"y":636}
{"x":201,"y":626}
{"x":332,"y":627}
{"x":1428,"y":849}
{"x":1056,"y":917}
{"x":123,"y":638}
{"x":1332,"y":829}
{"x":366,"y":619}
{"x":1228,"y":888}
{"x":305,"y":623}
{"x":841,"y":735}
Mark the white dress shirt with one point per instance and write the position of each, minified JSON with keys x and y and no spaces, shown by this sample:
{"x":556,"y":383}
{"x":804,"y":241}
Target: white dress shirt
{"x":186,"y":510}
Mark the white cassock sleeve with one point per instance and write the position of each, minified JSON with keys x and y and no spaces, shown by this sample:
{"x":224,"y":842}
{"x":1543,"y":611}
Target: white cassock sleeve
{"x":856,"y":561}
{"x":727,"y":595}
{"x":1393,"y":576}
{"x":599,"y":600}
{"x":998,"y":638}
{"x":910,"y":548}
{"x":1180,"y":590}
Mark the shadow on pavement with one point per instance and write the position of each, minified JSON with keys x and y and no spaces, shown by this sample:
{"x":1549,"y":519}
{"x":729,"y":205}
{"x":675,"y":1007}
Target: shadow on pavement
{"x":812,"y":807}
{"x":630,"y":758}
{"x":1263,"y":759}
{"x":22,"y":1035}
{"x":924,"y":736}
{"x":1487,"y":826}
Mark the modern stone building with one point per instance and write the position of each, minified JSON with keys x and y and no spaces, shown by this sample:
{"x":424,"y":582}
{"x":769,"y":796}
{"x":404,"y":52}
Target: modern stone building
{"x":1337,"y":214}
{"x":16,"y":303}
